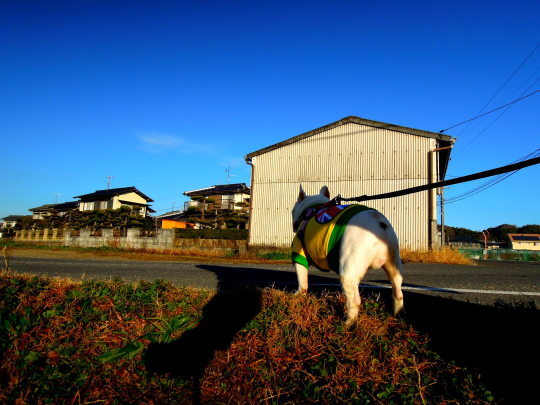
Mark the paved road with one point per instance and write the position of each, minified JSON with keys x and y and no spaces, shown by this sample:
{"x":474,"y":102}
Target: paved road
{"x":484,"y":284}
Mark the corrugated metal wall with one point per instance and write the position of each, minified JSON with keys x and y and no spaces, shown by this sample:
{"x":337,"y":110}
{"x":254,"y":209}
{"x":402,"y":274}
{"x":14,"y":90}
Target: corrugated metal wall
{"x":351,"y":160}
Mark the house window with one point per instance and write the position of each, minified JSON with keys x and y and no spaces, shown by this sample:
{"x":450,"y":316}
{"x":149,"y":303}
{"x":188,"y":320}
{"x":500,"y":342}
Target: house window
{"x":227,"y":202}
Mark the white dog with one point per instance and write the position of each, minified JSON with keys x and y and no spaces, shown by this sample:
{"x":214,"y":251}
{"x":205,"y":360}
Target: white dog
{"x":347,"y":239}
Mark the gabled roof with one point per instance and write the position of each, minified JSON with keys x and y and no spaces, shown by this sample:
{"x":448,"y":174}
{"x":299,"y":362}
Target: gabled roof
{"x":148,"y":208}
{"x":444,"y":140}
{"x":220,"y":189}
{"x":13,"y":217}
{"x":69,"y":205}
{"x":170,"y":214}
{"x":102,"y":195}
{"x":524,"y":237}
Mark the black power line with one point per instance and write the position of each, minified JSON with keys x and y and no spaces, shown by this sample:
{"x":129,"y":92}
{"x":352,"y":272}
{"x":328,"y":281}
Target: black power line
{"x":489,"y":183}
{"x":489,"y":112}
{"x":511,"y":76}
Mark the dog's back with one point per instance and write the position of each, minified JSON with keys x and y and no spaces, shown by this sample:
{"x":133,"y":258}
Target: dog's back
{"x":365,"y":240}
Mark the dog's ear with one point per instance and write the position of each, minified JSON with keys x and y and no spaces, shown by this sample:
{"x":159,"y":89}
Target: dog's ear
{"x":325,"y":191}
{"x":302,"y":194}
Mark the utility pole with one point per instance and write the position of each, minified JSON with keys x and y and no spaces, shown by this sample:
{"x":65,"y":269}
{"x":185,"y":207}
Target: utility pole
{"x":486,"y":235}
{"x":109,"y":178}
{"x":442,"y":217}
{"x":56,"y":197}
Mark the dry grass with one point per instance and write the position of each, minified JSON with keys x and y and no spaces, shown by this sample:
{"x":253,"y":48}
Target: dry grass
{"x":250,"y":346}
{"x":256,"y":254}
{"x":444,"y":255}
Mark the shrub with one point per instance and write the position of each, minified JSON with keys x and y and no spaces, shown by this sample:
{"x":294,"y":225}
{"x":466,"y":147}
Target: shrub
{"x":232,"y":234}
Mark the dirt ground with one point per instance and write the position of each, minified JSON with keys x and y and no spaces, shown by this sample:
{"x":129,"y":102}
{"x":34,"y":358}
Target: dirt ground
{"x":65,"y":254}
{"x":138,"y":256}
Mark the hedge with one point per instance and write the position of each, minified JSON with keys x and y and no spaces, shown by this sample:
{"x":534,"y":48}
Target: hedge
{"x":233,"y":234}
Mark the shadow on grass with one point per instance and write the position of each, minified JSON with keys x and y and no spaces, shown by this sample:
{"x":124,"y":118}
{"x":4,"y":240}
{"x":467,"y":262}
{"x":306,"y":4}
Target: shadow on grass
{"x":225,"y":314}
{"x":499,"y":341}
{"x":237,"y":301}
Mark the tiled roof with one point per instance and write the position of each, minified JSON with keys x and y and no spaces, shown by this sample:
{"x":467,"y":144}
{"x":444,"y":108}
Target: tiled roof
{"x":13,"y":217}
{"x":103,"y":195}
{"x":57,"y":207}
{"x":220,"y":189}
{"x":170,"y":215}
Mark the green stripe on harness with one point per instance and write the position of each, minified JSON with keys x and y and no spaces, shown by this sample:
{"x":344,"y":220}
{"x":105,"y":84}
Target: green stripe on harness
{"x":296,"y":258}
{"x":334,"y":243}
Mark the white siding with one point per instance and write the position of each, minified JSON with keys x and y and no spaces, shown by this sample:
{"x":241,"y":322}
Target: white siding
{"x":352,"y":160}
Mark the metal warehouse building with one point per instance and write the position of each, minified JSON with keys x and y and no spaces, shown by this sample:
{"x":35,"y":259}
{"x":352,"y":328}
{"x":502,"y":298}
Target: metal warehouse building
{"x":353,"y":157}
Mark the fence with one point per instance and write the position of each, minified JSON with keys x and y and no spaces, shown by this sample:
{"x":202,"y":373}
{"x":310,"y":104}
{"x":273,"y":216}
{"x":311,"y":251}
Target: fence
{"x":133,"y":238}
{"x":43,"y":236}
{"x":502,"y":254}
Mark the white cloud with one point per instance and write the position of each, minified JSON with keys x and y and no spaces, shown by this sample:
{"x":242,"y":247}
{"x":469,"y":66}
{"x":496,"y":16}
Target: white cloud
{"x":158,"y":143}
{"x":162,"y":141}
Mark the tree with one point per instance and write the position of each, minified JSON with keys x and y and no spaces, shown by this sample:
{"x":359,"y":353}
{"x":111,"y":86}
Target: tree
{"x":121,"y":218}
{"x":529,"y":229}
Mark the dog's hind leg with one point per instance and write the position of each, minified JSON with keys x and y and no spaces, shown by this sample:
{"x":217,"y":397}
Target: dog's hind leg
{"x":353,"y":265}
{"x":302,"y":275}
{"x":393,"y":273}
{"x":352,"y":297}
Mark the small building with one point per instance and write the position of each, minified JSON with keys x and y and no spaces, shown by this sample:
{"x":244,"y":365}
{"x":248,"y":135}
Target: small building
{"x":465,"y":242}
{"x":353,"y":157}
{"x":174,"y":220}
{"x":114,"y":198}
{"x":11,"y":221}
{"x":47,"y":210}
{"x":524,"y":241}
{"x":220,"y":197}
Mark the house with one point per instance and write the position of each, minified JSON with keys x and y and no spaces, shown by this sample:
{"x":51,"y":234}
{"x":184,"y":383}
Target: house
{"x":57,"y":209}
{"x":115,"y":198}
{"x":11,"y":220}
{"x":353,"y":157}
{"x":220,"y":197}
{"x":524,"y":241}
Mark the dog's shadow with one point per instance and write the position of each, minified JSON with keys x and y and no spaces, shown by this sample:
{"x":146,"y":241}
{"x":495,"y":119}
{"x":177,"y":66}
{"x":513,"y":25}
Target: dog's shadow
{"x":236,"y":302}
{"x":224,"y":315}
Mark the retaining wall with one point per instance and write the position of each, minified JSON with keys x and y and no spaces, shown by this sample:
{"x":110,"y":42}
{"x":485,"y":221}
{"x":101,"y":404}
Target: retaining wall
{"x":134,"y":238}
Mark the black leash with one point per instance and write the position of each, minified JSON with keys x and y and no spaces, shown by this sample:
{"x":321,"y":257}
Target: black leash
{"x":476,"y":176}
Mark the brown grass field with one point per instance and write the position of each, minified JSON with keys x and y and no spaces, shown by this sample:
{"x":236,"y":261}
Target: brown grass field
{"x":253,"y":255}
{"x":112,"y":342}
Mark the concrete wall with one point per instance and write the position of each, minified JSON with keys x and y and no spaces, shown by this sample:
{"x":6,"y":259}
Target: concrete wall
{"x":163,"y":239}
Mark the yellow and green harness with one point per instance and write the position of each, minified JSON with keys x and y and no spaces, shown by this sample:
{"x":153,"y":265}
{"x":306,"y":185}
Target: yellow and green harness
{"x":318,"y":234}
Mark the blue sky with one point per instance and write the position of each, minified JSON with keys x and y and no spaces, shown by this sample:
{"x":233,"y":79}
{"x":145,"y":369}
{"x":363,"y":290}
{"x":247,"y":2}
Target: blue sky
{"x":165,"y":95}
